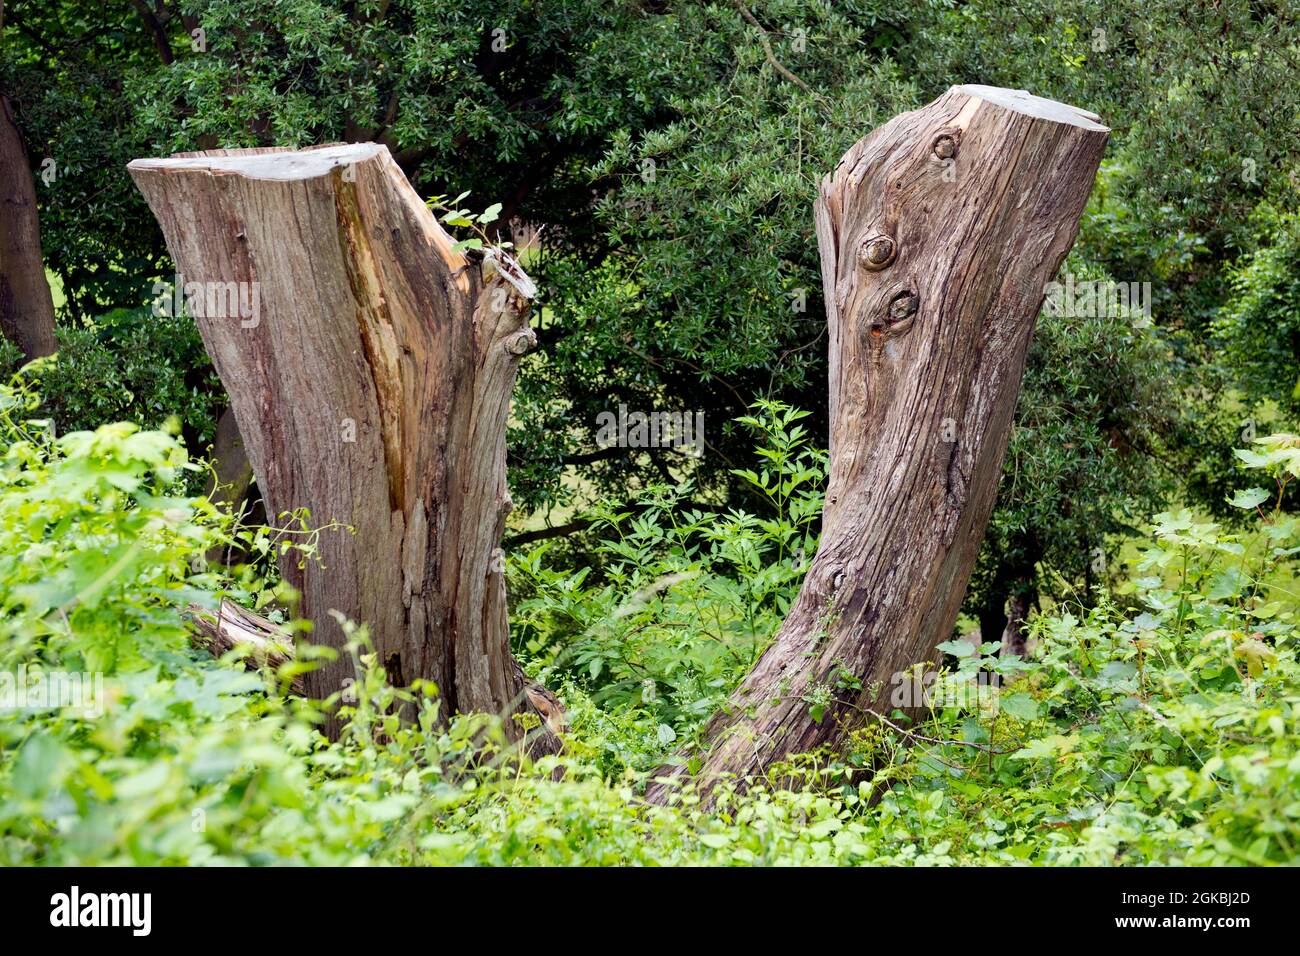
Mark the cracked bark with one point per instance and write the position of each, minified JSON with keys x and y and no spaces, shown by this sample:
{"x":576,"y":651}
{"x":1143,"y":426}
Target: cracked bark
{"x":371,"y":387}
{"x":938,"y":232}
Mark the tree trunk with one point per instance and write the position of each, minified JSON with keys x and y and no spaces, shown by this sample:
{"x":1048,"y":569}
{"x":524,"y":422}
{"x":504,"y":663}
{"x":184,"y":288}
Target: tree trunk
{"x":1015,"y":643}
{"x":369,"y":365}
{"x":26,"y":307}
{"x":232,"y":473}
{"x":232,"y":477}
{"x":938,"y":233}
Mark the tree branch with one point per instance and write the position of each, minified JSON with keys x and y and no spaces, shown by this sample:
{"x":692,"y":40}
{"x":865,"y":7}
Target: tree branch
{"x":767,"y":48}
{"x":156,"y":31}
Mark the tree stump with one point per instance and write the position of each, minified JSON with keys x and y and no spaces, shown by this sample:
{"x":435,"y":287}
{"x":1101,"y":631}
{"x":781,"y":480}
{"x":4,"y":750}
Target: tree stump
{"x":938,"y":233}
{"x":369,"y":366}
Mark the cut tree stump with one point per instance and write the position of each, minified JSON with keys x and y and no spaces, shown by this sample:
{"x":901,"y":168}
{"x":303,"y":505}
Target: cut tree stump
{"x":369,"y":366}
{"x":938,"y":233}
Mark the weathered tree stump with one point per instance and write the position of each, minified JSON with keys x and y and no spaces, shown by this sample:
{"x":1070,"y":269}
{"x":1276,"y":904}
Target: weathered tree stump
{"x":369,"y":366}
{"x":938,"y":233}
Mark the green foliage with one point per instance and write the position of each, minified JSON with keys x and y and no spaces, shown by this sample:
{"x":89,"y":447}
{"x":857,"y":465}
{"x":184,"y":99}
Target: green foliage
{"x":464,"y":218}
{"x":685,"y":598}
{"x":130,"y":365}
{"x":1166,"y":734}
{"x":94,"y":543}
{"x":1260,"y":324}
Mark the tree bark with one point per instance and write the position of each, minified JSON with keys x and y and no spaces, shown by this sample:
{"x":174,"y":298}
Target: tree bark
{"x":232,"y":472}
{"x":371,"y":384}
{"x":26,"y":306}
{"x":1015,"y":643}
{"x":232,"y":477}
{"x":938,"y":233}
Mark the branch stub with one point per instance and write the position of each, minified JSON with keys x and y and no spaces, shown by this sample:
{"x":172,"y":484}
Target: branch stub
{"x":877,"y":252}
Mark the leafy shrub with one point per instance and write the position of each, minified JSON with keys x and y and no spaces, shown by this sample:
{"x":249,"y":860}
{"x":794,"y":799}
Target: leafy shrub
{"x":1083,"y":461}
{"x":130,"y":365}
{"x":1260,"y":325}
{"x":684,"y":599}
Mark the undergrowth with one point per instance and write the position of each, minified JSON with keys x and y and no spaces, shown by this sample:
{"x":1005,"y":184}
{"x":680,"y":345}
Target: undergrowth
{"x":1154,"y":723}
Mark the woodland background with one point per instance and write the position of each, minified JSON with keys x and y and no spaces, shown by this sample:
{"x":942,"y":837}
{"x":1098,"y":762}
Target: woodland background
{"x":656,"y":163}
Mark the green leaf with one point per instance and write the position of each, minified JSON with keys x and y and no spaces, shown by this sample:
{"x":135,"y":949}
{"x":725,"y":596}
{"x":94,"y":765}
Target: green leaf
{"x":1249,"y":498}
{"x":1019,"y":705}
{"x":958,"y":648}
{"x":1046,"y":747}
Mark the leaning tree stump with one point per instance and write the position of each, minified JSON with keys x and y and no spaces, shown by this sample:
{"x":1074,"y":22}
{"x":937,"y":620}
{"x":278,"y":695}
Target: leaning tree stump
{"x":938,"y":233}
{"x":369,"y":366}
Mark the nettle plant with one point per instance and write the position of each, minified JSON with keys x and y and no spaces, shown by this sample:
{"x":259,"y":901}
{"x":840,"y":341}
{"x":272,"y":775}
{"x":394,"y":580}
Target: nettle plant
{"x":96,"y":541}
{"x":1171,"y":734}
{"x":1167,"y":732}
{"x":681,"y":599}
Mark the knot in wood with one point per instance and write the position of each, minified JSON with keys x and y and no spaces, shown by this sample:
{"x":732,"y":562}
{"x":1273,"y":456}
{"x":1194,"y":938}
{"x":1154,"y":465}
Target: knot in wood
{"x":521,"y":342}
{"x":903,"y":305}
{"x":944,"y":146}
{"x":876,"y":252}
